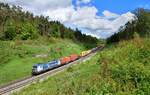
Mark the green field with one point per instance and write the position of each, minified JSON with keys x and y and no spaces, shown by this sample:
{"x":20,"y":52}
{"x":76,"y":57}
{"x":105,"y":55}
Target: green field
{"x":121,"y":69}
{"x":18,"y":57}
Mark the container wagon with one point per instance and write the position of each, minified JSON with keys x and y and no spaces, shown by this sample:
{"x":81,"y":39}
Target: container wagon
{"x":65,"y":60}
{"x":84,"y":53}
{"x":43,"y":67}
{"x":73,"y":57}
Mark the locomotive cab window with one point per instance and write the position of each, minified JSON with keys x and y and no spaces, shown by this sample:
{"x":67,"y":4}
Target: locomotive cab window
{"x":35,"y":67}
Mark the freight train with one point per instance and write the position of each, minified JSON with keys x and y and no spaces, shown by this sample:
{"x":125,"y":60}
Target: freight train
{"x":43,"y":67}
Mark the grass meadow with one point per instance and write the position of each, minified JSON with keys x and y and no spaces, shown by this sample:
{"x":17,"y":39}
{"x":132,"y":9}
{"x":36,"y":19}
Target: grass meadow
{"x":18,"y":57}
{"x":121,"y":69}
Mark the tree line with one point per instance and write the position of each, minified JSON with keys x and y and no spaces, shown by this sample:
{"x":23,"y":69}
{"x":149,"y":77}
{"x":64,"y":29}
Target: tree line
{"x":18,"y":24}
{"x":140,"y":26}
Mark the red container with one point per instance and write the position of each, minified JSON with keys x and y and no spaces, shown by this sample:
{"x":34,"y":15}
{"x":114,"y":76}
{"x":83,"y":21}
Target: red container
{"x":65,"y":60}
{"x":73,"y":57}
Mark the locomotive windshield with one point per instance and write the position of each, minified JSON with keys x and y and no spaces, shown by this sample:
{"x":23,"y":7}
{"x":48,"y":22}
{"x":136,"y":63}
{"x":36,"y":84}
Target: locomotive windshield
{"x":35,"y":67}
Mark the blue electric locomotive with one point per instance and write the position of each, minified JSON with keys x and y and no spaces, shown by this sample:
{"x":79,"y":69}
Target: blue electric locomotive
{"x":43,"y":67}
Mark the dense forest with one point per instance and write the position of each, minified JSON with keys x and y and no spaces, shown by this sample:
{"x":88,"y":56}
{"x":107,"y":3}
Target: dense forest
{"x":18,"y":24}
{"x":139,"y":27}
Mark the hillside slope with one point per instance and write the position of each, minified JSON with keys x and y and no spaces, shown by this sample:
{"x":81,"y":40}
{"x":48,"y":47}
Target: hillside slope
{"x":18,"y":57}
{"x":121,"y":69}
{"x":140,"y":26}
{"x":15,"y":23}
{"x":26,"y":39}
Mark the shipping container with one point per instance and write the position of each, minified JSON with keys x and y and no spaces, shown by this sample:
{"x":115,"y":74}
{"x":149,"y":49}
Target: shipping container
{"x":74,"y":57}
{"x":84,"y":53}
{"x":89,"y":51}
{"x":65,"y":60}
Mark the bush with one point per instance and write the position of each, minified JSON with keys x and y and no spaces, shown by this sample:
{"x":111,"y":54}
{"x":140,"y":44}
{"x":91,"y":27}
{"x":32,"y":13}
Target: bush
{"x":28,"y":31}
{"x":10,"y":30}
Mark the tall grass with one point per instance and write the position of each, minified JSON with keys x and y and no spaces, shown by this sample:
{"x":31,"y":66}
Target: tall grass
{"x":18,"y":57}
{"x":121,"y":69}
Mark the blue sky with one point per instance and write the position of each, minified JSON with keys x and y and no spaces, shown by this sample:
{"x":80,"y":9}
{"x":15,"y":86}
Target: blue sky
{"x":99,"y":18}
{"x":119,"y":6}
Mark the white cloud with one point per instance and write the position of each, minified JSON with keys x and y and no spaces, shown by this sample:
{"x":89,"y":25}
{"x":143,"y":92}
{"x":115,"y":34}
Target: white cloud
{"x":85,"y":17}
{"x":110,"y":15}
{"x":61,"y":14}
{"x":40,"y":6}
{"x":122,"y":20}
{"x":83,"y":1}
{"x":84,"y":13}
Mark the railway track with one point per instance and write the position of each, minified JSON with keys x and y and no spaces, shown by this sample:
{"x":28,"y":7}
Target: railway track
{"x":16,"y":85}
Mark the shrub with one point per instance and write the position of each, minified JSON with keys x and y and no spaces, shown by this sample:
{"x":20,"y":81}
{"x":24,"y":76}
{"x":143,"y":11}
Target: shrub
{"x":28,"y":31}
{"x":10,"y":31}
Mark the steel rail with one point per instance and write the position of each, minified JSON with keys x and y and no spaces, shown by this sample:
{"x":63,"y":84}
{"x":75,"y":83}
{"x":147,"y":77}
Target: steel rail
{"x":7,"y":89}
